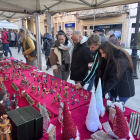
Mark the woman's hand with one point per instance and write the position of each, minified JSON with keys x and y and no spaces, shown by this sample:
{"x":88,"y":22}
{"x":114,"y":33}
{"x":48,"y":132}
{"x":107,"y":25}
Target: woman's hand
{"x":90,"y":65}
{"x":78,"y":85}
{"x":56,"y":71}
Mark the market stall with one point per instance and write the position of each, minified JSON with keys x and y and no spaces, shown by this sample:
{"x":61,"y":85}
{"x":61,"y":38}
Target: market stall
{"x":25,"y":85}
{"x":7,"y":25}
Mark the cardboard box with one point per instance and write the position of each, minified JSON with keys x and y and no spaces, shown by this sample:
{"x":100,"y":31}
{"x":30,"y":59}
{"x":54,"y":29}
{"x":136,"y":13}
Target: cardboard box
{"x":30,"y":123}
{"x":38,"y":121}
{"x":18,"y":125}
{"x":52,"y":134}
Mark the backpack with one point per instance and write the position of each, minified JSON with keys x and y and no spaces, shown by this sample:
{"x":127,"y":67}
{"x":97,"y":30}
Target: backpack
{"x":47,"y":42}
{"x":8,"y":37}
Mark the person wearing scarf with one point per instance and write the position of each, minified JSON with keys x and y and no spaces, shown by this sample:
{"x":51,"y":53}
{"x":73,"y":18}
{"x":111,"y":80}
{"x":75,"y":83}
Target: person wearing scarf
{"x":61,"y":55}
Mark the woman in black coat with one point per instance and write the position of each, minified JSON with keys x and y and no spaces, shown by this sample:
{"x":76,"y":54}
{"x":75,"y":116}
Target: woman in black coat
{"x":115,"y":69}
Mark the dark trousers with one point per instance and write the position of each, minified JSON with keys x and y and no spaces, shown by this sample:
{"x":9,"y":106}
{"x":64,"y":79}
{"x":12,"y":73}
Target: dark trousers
{"x":12,"y":43}
{"x":19,"y":49}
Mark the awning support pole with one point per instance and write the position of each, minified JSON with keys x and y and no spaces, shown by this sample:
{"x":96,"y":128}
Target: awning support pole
{"x":38,"y":41}
{"x":134,"y":55}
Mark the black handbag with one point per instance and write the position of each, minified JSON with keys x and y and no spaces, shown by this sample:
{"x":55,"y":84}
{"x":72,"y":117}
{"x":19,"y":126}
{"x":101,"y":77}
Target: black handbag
{"x":34,"y":53}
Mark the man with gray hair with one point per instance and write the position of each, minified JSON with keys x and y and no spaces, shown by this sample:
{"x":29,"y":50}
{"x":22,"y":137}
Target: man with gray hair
{"x":80,"y":58}
{"x":113,"y":39}
{"x":69,"y":31}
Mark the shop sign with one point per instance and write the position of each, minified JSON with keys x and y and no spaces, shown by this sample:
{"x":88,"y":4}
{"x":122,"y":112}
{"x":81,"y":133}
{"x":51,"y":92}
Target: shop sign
{"x":70,"y":25}
{"x":105,"y":27}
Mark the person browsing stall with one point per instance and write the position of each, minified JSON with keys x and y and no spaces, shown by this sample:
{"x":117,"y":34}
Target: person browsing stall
{"x":29,"y":51}
{"x":80,"y":58}
{"x":61,"y":55}
{"x":100,"y":32}
{"x":94,"y":41}
{"x":115,"y":69}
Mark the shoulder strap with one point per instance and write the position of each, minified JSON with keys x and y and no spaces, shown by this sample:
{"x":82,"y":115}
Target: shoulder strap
{"x":47,"y":42}
{"x":26,"y":45}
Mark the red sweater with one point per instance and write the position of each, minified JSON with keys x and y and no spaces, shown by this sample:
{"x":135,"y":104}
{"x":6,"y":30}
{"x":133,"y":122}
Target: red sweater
{"x":4,"y":37}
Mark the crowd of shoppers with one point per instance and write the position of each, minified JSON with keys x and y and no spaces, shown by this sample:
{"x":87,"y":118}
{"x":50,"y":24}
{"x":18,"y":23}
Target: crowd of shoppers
{"x":84,"y":59}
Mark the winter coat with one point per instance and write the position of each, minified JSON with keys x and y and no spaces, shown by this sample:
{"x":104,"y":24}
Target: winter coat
{"x":31,"y":48}
{"x":55,"y":54}
{"x":80,"y":59}
{"x":93,"y":70}
{"x":48,"y":42}
{"x":124,"y":87}
{"x":4,"y":37}
{"x":103,"y":38}
{"x":114,"y":40}
{"x":13,"y":36}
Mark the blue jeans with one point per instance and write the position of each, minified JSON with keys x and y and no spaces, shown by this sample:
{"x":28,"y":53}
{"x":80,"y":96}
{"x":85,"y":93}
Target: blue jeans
{"x":122,"y":99}
{"x":19,"y":49}
{"x":6,"y":48}
{"x":91,"y":83}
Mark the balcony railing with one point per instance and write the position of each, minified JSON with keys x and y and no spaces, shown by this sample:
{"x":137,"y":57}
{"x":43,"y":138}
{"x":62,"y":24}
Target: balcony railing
{"x":110,"y":11}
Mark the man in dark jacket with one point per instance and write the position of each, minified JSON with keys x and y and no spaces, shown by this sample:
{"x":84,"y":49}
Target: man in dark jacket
{"x":80,"y":58}
{"x":100,"y":32}
{"x":94,"y":41}
{"x":48,"y":42}
{"x":113,"y":39}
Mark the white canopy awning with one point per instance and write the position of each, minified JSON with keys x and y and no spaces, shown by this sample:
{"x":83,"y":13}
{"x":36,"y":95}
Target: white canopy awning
{"x":11,"y":15}
{"x":7,"y":25}
{"x":22,"y":8}
{"x":11,"y":9}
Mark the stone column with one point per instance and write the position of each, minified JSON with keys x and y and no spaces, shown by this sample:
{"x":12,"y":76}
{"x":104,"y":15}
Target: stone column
{"x":31,"y":24}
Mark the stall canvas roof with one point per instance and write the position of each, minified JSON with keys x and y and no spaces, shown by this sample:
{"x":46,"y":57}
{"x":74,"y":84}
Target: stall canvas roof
{"x":21,"y":8}
{"x":7,"y":25}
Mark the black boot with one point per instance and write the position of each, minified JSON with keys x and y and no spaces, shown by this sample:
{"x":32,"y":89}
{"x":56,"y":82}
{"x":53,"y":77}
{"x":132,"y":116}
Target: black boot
{"x":47,"y":67}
